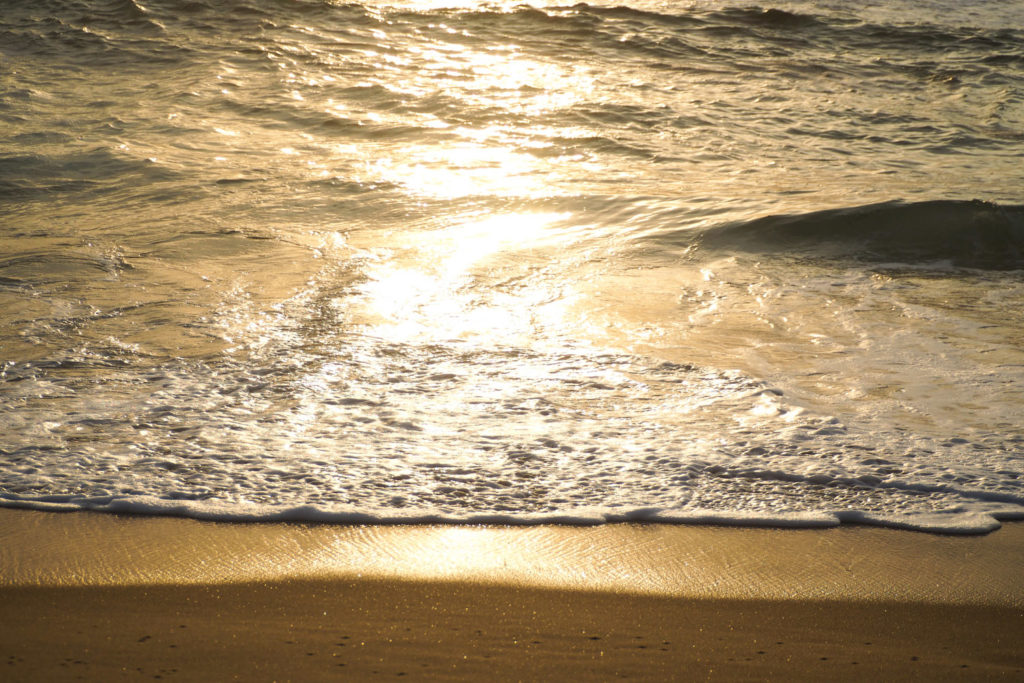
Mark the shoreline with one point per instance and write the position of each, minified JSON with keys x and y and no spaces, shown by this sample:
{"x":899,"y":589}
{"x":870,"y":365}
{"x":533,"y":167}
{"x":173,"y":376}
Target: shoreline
{"x":96,"y":596}
{"x":858,"y":563}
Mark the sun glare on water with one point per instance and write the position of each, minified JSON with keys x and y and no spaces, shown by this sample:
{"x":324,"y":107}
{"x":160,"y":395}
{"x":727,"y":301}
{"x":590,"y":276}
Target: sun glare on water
{"x":488,"y":273}
{"x":430,"y":290}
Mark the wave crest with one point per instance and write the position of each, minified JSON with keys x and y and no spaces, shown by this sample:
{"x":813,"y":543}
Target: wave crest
{"x":969,"y":234}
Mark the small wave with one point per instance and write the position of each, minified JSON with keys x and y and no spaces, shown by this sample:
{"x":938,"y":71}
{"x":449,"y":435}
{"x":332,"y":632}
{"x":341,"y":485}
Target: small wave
{"x":968,"y":234}
{"x":770,"y":17}
{"x":42,"y":176}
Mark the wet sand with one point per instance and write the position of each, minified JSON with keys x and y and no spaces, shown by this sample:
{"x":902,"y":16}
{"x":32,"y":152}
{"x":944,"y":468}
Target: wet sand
{"x":100,"y":597}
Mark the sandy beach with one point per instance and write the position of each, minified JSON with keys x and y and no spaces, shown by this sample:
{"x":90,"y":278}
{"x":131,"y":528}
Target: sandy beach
{"x":100,"y":597}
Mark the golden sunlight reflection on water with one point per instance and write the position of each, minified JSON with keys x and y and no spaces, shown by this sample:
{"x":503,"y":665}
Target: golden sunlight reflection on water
{"x":463,"y":170}
{"x":493,"y":160}
{"x":427,"y":291}
{"x":425,"y":285}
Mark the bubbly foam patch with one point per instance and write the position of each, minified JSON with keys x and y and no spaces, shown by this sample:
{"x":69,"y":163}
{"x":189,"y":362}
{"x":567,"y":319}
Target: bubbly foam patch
{"x":396,"y":433}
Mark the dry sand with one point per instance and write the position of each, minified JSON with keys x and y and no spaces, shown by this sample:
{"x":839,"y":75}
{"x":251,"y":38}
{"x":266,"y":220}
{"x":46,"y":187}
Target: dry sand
{"x":100,"y":597}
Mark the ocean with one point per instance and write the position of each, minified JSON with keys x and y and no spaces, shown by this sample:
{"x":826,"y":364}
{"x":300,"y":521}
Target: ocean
{"x":443,"y":261}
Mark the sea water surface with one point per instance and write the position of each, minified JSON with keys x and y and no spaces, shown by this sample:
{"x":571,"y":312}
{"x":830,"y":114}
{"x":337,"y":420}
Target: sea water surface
{"x":454,"y":261}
